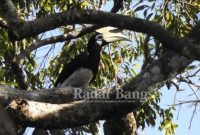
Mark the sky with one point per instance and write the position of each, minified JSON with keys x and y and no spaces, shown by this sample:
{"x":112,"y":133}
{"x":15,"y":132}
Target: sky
{"x":182,"y":115}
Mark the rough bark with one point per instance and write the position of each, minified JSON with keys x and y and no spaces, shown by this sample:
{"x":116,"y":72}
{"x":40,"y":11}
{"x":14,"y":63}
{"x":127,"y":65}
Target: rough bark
{"x":6,"y":125}
{"x":40,"y":132}
{"x":8,"y":11}
{"x":53,"y":95}
{"x":57,"y":132}
{"x":45,"y":115}
{"x":125,"y":125}
{"x":53,"y":116}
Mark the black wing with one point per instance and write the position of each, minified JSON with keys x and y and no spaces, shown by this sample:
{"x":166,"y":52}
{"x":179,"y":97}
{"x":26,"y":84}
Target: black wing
{"x":70,"y":67}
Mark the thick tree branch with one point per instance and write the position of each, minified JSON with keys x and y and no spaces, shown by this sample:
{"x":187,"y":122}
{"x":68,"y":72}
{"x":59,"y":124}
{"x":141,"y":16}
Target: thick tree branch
{"x":8,"y":11}
{"x":54,"y":95}
{"x":168,"y":39}
{"x":194,"y":34}
{"x":117,"y":5}
{"x":40,"y":132}
{"x":125,"y":125}
{"x":20,"y":78}
{"x":157,"y":72}
{"x":6,"y":125}
{"x":51,"y":116}
{"x":78,"y":113}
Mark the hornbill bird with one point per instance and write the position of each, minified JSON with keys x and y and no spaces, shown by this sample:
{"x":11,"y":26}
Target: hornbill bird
{"x":82,"y":70}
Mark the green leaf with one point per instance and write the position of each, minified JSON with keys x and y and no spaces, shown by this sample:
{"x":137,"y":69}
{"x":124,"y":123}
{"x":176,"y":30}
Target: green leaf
{"x":85,"y":4}
{"x":141,"y":8}
{"x":149,"y":16}
{"x":167,"y":16}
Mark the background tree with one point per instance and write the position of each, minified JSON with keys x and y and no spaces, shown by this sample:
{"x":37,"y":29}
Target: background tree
{"x":165,"y":52}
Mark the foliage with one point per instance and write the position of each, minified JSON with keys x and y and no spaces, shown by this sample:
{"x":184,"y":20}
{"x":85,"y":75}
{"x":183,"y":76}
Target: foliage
{"x":119,"y":61}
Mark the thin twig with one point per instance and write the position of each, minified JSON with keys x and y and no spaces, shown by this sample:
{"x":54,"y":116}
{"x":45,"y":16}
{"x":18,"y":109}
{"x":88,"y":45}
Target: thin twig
{"x":186,"y":102}
{"x":192,"y":116}
{"x":53,"y":40}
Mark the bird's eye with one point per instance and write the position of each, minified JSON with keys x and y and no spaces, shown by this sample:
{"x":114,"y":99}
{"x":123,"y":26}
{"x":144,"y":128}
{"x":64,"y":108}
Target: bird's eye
{"x":99,"y":37}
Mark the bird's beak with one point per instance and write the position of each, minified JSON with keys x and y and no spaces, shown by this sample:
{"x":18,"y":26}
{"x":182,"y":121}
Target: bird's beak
{"x":112,"y":34}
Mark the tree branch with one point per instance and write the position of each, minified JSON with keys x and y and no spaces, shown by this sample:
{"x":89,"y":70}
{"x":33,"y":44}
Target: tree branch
{"x":51,"y":40}
{"x":6,"y":125}
{"x":20,"y":78}
{"x":53,"y":95}
{"x":117,"y":5}
{"x":8,"y":11}
{"x":53,"y":116}
{"x":167,"y":38}
{"x":45,"y":115}
{"x":167,"y":66}
{"x":125,"y":125}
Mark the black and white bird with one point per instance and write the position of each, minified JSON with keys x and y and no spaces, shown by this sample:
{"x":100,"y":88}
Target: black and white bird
{"x":82,"y":70}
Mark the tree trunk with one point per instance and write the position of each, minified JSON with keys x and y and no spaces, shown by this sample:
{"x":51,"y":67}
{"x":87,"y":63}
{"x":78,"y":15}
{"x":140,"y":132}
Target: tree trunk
{"x":6,"y":125}
{"x":125,"y":125}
